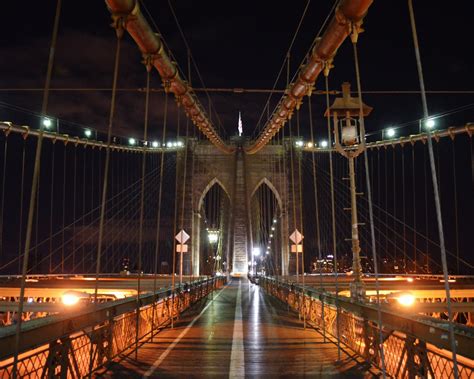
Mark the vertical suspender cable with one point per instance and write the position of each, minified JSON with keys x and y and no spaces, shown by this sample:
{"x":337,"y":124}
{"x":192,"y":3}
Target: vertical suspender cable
{"x":455,"y":196}
{"x":316,"y":211}
{"x":158,"y":216}
{"x":34,"y":184}
{"x":403,"y":214}
{"x":63,"y":208}
{"x":119,"y":32}
{"x":148,"y":65}
{"x":394,"y":168}
{"x":435,"y":191}
{"x":118,"y":24}
{"x":173,"y":252}
{"x":333,"y":212}
{"x":51,"y":210}
{"x":2,"y":202}
{"x":300,"y":198}
{"x":415,"y":258}
{"x":84,"y":163}
{"x":74,"y":210}
{"x":183,"y":196}
{"x":22,"y":186}
{"x":369,"y":199}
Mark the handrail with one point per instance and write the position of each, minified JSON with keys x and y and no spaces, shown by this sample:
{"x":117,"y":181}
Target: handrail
{"x":428,"y":329}
{"x":41,"y":331}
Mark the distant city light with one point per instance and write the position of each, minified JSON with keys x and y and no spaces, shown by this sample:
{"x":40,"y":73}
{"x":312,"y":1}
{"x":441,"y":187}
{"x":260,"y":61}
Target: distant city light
{"x":155,"y":144}
{"x":132,"y":141}
{"x":390,"y":132}
{"x":430,"y":123}
{"x":47,"y":123}
{"x":213,"y":236}
{"x":88,"y":133}
{"x":324,"y":143}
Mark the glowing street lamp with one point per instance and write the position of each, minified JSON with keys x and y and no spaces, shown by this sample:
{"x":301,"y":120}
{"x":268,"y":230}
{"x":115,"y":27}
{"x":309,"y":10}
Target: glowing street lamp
{"x":274,"y":220}
{"x":430,"y":123}
{"x":213,"y":236}
{"x":324,"y":143}
{"x":406,"y":299}
{"x":88,"y":133}
{"x":132,"y":141}
{"x":390,"y":132}
{"x":47,"y":123}
{"x":155,"y":144}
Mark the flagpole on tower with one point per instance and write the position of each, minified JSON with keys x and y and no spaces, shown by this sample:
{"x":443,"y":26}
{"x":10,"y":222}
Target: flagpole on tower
{"x":240,"y":128}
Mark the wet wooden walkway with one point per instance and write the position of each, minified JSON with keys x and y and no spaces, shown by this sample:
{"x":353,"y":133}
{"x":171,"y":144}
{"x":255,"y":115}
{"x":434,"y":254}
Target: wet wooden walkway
{"x":238,"y":332}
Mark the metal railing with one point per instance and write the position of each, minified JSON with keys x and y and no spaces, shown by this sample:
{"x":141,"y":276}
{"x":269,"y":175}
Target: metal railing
{"x":73,"y":346}
{"x":413,"y":346}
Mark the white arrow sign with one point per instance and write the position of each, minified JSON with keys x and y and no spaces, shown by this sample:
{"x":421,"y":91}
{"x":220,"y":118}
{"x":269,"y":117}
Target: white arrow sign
{"x":182,"y":237}
{"x":296,"y":237}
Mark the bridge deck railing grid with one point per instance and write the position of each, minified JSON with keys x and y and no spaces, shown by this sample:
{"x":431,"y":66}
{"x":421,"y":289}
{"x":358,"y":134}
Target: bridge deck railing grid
{"x":75,"y":345}
{"x":412,"y":346}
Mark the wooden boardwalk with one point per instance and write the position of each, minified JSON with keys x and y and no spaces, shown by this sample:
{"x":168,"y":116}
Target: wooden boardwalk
{"x":238,"y":332}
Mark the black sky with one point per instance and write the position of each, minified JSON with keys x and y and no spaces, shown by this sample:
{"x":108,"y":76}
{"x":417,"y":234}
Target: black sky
{"x":235,"y":44}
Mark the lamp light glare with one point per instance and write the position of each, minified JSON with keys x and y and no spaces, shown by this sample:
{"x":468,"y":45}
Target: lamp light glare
{"x":430,"y":123}
{"x":390,"y":132}
{"x":256,"y":251}
{"x":324,"y":143}
{"x":47,"y":123}
{"x":310,"y":144}
{"x":406,"y":299}
{"x":87,"y":133}
{"x":155,"y":144}
{"x":69,"y":299}
{"x":132,"y":141}
{"x":274,"y":220}
{"x":299,"y":143}
{"x":169,"y":144}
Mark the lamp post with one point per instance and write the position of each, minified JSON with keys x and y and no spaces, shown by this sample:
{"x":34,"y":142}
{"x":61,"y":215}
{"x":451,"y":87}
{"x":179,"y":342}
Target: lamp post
{"x":349,"y":141}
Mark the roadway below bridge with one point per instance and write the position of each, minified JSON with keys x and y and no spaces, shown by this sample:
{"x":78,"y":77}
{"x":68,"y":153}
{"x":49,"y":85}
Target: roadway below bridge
{"x":238,"y":332}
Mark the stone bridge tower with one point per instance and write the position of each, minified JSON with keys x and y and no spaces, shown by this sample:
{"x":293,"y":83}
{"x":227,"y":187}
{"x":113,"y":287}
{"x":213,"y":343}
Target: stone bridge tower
{"x":239,"y":175}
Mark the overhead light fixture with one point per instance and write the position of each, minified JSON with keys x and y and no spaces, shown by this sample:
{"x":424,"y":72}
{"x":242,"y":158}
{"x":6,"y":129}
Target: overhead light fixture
{"x":47,"y":123}
{"x":430,"y":123}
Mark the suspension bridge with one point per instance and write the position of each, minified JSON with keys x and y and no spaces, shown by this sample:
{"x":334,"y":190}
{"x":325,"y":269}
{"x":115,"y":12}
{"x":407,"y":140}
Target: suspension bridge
{"x":199,"y":253}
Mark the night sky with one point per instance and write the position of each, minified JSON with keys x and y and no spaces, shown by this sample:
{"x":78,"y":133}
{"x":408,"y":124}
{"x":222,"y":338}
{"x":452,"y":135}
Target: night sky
{"x":235,"y":44}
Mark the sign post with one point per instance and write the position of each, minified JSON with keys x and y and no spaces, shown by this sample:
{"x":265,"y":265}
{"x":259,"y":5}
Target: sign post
{"x":296,"y":237}
{"x":182,"y":237}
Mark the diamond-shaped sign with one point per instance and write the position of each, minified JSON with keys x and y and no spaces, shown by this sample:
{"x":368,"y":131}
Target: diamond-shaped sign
{"x":182,"y":237}
{"x":296,"y":237}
